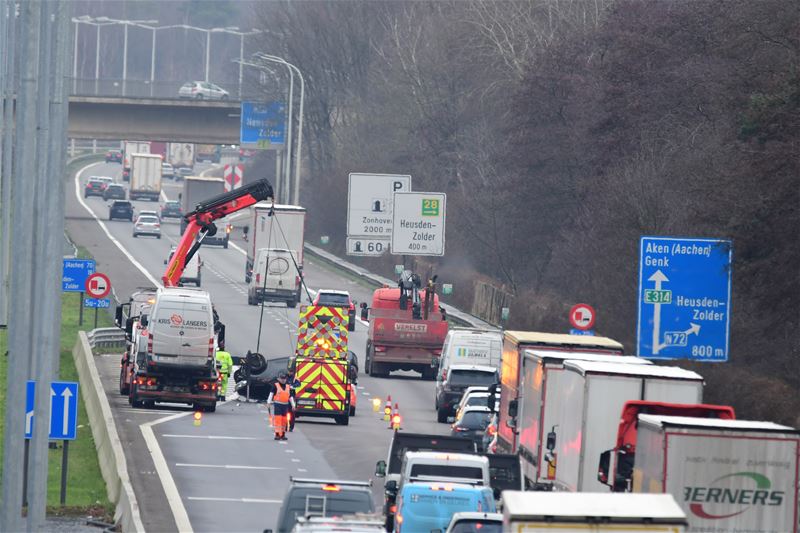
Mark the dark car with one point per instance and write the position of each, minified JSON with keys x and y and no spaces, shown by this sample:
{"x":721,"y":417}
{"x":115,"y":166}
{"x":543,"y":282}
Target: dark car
{"x":472,"y":424}
{"x":114,"y":192}
{"x":333,"y":298}
{"x":114,"y":156}
{"x":94,"y":188}
{"x":121,"y":209}
{"x":317,"y":497}
{"x":171,"y":209}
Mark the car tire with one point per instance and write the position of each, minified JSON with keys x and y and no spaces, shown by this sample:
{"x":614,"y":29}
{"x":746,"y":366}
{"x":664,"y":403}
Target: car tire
{"x":225,"y":244}
{"x":210,"y":408}
{"x":158,"y":236}
{"x":441,"y":416}
{"x":291,"y":304}
{"x":251,"y":300}
{"x":352,"y":411}
{"x":342,"y":420}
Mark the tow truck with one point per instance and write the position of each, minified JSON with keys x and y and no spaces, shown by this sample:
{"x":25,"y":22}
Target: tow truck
{"x":151,"y":381}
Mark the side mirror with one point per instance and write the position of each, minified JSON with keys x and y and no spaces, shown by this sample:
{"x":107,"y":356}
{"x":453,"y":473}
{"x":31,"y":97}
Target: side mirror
{"x":143,"y":321}
{"x":165,"y":261}
{"x":390,"y":486}
{"x":603,"y":466}
{"x":380,"y":469}
{"x":364,"y":311}
{"x":551,"y":440}
{"x":491,"y":400}
{"x":513,"y":407}
{"x":434,"y":362}
{"x":118,"y":316}
{"x":128,"y":328}
{"x":351,"y":321}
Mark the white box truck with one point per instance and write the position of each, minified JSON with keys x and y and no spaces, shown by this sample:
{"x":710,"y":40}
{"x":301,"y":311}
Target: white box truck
{"x":564,"y":512}
{"x":128,"y":148}
{"x":539,"y":404}
{"x":278,"y":226}
{"x":197,"y":189}
{"x":727,"y":475}
{"x":586,"y":407}
{"x":145,"y":177}
{"x":180,"y":155}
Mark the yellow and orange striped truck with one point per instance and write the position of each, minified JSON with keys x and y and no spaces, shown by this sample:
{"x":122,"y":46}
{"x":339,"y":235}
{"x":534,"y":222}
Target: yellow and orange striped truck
{"x":321,"y":364}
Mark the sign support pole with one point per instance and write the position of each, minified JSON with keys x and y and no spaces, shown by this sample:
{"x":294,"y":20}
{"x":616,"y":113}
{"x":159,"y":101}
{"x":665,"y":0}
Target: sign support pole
{"x":80,"y":310}
{"x":64,"y":464}
{"x":25,"y":474}
{"x":95,"y":318}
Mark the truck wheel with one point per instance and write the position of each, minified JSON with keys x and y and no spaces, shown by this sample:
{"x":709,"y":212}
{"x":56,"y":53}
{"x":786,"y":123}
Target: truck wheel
{"x":124,"y":388}
{"x":251,"y":300}
{"x":210,"y":408}
{"x":352,"y":410}
{"x":225,"y":244}
{"x":343,"y":420}
{"x":291,"y":304}
{"x":441,"y":416}
{"x":135,"y":401}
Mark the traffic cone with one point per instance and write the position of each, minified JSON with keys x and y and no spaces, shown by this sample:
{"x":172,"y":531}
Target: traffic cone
{"x":396,"y":419}
{"x":387,"y":409}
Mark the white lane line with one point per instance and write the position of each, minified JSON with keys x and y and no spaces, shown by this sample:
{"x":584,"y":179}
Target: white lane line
{"x":102,"y":225}
{"x":237,"y":248}
{"x":302,"y":470}
{"x":167,"y":482}
{"x":234,"y":500}
{"x":211,"y":437}
{"x":230,"y":467}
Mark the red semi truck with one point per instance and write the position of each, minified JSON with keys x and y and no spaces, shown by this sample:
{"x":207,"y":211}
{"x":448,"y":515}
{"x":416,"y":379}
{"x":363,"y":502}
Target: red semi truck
{"x":406,"y":328}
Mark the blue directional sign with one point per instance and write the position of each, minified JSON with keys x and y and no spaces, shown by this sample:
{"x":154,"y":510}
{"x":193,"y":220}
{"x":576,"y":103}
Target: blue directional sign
{"x":263,"y":125}
{"x":74,"y":274}
{"x":99,"y":303}
{"x":574,"y":331}
{"x":684,"y":298}
{"x":63,"y":410}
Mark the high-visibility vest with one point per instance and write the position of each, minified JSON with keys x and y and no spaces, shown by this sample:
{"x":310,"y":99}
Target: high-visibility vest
{"x":225,"y":360}
{"x":282,"y":393}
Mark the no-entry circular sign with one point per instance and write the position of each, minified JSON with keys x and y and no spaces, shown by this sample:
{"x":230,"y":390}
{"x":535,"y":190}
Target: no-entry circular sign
{"x":98,"y":285}
{"x":582,"y":316}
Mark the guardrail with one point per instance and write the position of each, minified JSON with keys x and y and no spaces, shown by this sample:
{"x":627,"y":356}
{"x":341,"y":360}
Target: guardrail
{"x":110,"y":455}
{"x":106,"y":338}
{"x":380,"y":281}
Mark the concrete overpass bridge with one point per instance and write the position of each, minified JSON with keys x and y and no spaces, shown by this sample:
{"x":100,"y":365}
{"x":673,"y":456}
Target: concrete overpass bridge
{"x":154,"y":119}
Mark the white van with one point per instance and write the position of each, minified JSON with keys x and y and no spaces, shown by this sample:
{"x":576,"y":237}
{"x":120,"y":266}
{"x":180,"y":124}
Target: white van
{"x":446,"y":467}
{"x":469,"y":346}
{"x":191,"y":272}
{"x":278,"y":283}
{"x":181,"y":329}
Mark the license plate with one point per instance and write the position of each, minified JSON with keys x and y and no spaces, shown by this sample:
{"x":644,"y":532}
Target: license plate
{"x":306,"y":402}
{"x":175,"y":389}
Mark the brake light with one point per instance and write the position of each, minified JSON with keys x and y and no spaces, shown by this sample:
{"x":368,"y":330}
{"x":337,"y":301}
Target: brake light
{"x":150,"y":343}
{"x":228,"y":228}
{"x":444,"y":374}
{"x":491,"y":430}
{"x":393,"y":509}
{"x":459,"y":429}
{"x":330,"y":487}
{"x":380,"y":348}
{"x":258,"y":279}
{"x":437,"y":352}
{"x":211,"y":348}
{"x":297,"y":281}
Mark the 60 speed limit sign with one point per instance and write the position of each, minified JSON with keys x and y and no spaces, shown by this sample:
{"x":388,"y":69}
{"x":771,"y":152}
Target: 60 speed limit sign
{"x":358,"y":246}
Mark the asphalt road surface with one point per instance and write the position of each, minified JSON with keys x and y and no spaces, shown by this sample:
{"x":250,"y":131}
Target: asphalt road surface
{"x":228,"y":474}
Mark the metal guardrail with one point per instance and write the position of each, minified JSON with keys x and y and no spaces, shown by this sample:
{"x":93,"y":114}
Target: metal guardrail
{"x":106,"y":338}
{"x":453,"y":312}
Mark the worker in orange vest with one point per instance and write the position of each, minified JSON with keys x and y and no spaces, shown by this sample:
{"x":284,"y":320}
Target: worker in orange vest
{"x":280,"y":401}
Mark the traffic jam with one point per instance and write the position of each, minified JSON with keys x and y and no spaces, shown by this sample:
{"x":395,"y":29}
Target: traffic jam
{"x":539,"y":431}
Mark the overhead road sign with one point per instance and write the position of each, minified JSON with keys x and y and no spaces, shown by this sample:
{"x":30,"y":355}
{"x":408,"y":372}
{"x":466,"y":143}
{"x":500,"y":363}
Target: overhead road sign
{"x":63,"y":410}
{"x":74,"y":273}
{"x":263,"y":125}
{"x":684,"y":298}
{"x":418,"y":223}
{"x":582,"y":317}
{"x":98,"y":285}
{"x":97,"y":303}
{"x":370,"y":203}
{"x":366,"y":246}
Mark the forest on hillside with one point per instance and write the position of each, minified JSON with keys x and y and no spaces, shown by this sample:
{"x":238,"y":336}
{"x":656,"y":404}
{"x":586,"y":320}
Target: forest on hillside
{"x":562,"y":131}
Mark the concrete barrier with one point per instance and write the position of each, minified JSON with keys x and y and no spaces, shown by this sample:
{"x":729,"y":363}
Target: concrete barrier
{"x":113,"y":465}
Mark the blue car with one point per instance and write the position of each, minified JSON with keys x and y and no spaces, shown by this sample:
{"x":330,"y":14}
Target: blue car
{"x":430,"y":505}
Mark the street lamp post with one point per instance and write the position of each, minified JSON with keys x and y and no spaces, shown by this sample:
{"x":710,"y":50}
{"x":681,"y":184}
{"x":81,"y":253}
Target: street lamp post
{"x":298,"y":155}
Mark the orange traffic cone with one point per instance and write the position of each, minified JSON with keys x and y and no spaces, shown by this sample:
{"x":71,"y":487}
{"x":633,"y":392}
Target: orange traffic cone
{"x":387,"y":409}
{"x":396,"y":419}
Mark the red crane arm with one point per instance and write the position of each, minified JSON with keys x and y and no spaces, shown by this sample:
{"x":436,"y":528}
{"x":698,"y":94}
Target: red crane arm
{"x":202,"y":219}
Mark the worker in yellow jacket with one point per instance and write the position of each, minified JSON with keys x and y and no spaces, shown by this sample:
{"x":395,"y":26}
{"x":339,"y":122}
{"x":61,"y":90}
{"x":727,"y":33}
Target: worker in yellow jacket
{"x":225,"y":367}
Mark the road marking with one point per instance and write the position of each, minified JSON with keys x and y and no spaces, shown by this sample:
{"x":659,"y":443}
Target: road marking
{"x":295,"y":460}
{"x":302,"y":470}
{"x":167,"y":482}
{"x":211,"y":437}
{"x":289,"y":451}
{"x":239,"y":500}
{"x":232,"y":467}
{"x":102,"y":225}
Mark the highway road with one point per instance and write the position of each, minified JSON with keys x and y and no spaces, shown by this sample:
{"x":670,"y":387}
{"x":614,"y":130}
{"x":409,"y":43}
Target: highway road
{"x":228,"y":474}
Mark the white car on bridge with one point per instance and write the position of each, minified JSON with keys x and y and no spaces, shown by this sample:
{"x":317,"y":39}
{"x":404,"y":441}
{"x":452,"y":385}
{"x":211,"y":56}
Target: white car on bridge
{"x":200,"y":90}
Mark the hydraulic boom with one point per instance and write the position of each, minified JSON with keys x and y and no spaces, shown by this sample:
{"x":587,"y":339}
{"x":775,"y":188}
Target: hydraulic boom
{"x":201,"y":221}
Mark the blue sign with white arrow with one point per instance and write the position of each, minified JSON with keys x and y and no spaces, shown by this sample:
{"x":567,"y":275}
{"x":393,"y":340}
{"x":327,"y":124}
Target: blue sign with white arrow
{"x":684,"y":298}
{"x":63,"y":410}
{"x":74,"y":273}
{"x":263,"y":125}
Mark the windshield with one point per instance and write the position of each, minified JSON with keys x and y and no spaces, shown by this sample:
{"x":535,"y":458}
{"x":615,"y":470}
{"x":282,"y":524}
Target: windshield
{"x":477,"y":526}
{"x":475,"y":420}
{"x":327,"y":298}
{"x":465,"y":378}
